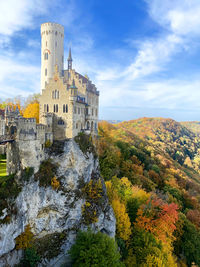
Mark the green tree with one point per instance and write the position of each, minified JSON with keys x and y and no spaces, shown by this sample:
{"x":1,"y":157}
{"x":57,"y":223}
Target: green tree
{"x":95,"y":249}
{"x":30,"y":259}
{"x":189,"y":243}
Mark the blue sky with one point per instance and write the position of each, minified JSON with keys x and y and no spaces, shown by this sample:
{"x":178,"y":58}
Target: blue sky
{"x":143,"y":55}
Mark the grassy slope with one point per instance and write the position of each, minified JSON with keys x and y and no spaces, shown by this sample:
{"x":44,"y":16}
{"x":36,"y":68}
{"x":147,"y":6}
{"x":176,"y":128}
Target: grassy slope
{"x":3,"y":167}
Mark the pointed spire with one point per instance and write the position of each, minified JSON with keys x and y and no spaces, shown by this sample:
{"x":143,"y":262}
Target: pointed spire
{"x":70,"y":54}
{"x":70,"y":59}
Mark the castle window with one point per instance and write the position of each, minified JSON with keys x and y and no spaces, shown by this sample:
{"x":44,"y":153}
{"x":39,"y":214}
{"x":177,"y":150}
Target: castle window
{"x":64,"y":108}
{"x":58,"y":95}
{"x":46,"y":55}
{"x":56,"y":108}
{"x":47,"y":108}
{"x":45,"y":72}
{"x":53,"y":94}
{"x":77,"y":125}
{"x":86,"y":111}
{"x":88,"y":125}
{"x":61,"y":122}
{"x":92,"y":123}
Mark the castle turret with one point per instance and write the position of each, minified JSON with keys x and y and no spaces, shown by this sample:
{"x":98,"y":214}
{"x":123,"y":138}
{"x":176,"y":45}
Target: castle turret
{"x":52,"y":50}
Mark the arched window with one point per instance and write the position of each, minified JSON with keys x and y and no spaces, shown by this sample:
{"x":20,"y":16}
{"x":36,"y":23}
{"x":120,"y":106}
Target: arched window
{"x":92,"y":123}
{"x":58,"y":95}
{"x":77,"y":125}
{"x":56,"y":108}
{"x":78,"y":110}
{"x":88,"y":125}
{"x":61,"y":122}
{"x":53,"y":94}
{"x":64,"y":108}
{"x":47,"y":108}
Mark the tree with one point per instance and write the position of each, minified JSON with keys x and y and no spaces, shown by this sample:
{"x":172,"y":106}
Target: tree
{"x":189,"y":242}
{"x":32,"y":111}
{"x":158,"y":218}
{"x":25,"y":240}
{"x":95,"y":249}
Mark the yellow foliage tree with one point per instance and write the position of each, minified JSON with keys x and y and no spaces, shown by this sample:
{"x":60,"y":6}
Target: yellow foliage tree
{"x":24,"y":240}
{"x":55,"y":183}
{"x":123,"y":221}
{"x":32,"y":111}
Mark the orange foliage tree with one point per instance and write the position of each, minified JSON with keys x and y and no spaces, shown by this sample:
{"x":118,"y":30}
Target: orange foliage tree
{"x":159,"y":218}
{"x":32,"y":111}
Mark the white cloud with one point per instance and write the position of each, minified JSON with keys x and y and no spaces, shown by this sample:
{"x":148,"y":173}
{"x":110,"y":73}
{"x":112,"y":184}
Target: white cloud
{"x":180,"y":16}
{"x":17,"y":15}
{"x":17,"y":77}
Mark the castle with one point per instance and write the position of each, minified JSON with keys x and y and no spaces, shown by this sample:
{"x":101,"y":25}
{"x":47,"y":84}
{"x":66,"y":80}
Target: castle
{"x":68,"y":105}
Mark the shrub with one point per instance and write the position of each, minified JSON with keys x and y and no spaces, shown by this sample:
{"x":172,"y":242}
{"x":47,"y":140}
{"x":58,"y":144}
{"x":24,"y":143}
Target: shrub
{"x":93,"y":249}
{"x":46,"y":172}
{"x":30,"y":259}
{"x":85,"y":143}
{"x":48,"y":144}
{"x":25,"y":240}
{"x":55,"y":183}
{"x":93,"y":193}
{"x":50,"y":245}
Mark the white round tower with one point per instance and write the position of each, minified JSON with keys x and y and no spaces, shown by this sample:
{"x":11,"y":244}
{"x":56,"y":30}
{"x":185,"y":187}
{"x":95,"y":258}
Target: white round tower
{"x":52,"y":50}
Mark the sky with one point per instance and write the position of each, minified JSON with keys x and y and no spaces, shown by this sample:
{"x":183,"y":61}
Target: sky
{"x":143,"y":55}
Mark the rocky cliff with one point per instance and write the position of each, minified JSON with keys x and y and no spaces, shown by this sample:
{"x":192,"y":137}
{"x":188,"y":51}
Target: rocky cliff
{"x":64,"y":196}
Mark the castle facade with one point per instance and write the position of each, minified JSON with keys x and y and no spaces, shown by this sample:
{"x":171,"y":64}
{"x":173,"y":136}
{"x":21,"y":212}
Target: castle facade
{"x":69,"y":104}
{"x":69,"y":101}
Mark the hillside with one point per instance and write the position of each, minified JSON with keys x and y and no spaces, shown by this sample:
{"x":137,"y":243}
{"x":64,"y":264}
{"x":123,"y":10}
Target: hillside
{"x":166,"y":136}
{"x":193,"y":126}
{"x":151,"y":165}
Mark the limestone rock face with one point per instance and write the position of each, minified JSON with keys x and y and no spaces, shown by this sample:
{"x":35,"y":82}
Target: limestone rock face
{"x":49,"y":211}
